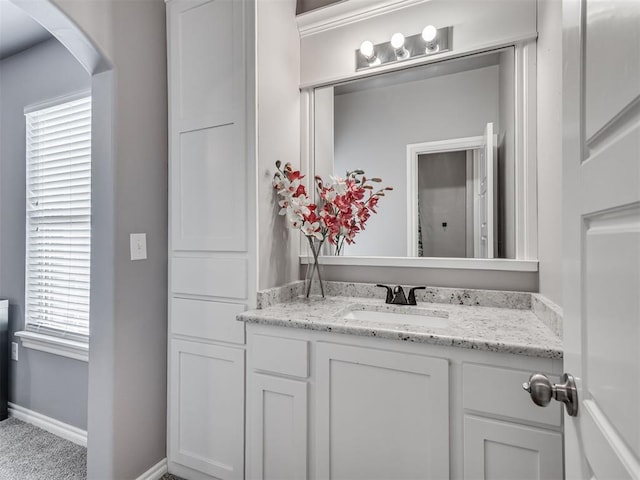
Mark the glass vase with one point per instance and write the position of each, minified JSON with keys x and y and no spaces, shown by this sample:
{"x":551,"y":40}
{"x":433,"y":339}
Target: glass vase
{"x":313,"y":269}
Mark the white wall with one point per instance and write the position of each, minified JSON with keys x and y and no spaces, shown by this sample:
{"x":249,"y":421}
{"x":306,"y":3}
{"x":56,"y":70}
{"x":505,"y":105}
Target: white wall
{"x":550,"y":148}
{"x":127,"y":370}
{"x":49,"y":384}
{"x":278,"y":135}
{"x":373,"y":127}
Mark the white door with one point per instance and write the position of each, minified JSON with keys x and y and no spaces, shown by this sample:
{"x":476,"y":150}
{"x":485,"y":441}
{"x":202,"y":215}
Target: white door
{"x":485,"y":184}
{"x":601,"y":182}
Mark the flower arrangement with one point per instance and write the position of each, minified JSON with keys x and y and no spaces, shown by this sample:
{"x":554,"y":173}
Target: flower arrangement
{"x":344,"y":206}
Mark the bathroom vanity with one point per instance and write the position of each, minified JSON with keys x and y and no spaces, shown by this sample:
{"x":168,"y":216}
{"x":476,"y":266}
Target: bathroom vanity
{"x":432,"y":392}
{"x":323,"y":400}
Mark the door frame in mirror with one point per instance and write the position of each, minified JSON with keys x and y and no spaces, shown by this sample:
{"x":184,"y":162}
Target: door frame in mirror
{"x":414,"y":150}
{"x":525,"y":184}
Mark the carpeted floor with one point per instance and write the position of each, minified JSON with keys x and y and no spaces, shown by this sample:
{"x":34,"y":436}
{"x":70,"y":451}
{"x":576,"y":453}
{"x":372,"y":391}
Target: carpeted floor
{"x":30,"y":453}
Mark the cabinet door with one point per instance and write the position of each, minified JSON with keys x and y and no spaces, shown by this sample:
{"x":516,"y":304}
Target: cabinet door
{"x":380,"y":414}
{"x":207,"y":408}
{"x":277,"y":418}
{"x":207,"y":128}
{"x":495,"y":450}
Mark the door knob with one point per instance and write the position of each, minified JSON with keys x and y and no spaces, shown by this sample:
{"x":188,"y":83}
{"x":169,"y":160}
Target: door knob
{"x":542,"y":391}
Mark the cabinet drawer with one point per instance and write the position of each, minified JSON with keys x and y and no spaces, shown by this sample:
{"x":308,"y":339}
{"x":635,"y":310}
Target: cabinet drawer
{"x":207,"y":320}
{"x":498,"y":391}
{"x":287,"y":356}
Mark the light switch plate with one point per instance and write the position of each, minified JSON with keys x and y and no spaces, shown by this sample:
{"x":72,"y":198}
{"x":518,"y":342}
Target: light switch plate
{"x":138,"y":244}
{"x":14,"y":351}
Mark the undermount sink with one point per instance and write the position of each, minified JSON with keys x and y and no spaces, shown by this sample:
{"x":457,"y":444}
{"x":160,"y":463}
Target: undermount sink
{"x":414,"y":316}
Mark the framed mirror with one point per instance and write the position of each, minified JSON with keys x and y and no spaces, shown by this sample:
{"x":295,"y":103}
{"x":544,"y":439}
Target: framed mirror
{"x":445,"y":136}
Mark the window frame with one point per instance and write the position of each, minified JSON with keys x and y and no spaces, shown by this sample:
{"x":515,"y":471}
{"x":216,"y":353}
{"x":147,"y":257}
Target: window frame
{"x":50,"y":339}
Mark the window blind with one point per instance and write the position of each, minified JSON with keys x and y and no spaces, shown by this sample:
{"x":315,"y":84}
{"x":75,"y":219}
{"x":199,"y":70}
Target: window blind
{"x":58,"y":220}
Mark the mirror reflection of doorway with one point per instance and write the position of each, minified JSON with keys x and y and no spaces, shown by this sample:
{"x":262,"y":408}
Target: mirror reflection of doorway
{"x":452,"y":197}
{"x":444,"y":207}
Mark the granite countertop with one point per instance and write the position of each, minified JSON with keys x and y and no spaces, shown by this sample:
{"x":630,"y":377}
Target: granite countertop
{"x":513,"y":328}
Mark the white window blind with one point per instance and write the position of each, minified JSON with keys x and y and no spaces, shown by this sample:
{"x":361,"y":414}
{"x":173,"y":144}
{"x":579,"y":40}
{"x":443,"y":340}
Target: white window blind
{"x":59,"y":219}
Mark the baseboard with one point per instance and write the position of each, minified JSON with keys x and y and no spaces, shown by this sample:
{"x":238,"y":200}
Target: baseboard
{"x":66,"y":431}
{"x":155,"y":472}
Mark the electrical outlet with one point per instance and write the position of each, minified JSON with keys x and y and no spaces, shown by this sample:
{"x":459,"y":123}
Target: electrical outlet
{"x":14,"y":351}
{"x":138,"y":245}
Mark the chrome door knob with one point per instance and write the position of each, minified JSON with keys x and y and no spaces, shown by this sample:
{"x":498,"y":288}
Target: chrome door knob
{"x":542,"y":391}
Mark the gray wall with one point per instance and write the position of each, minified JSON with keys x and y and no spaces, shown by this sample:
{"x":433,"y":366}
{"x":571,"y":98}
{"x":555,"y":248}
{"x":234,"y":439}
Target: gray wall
{"x":442,"y":197}
{"x":550,"y":148}
{"x":373,"y":127}
{"x":49,"y":384}
{"x":128,"y":346}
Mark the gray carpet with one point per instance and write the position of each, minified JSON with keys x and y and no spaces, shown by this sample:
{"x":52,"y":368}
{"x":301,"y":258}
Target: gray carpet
{"x":30,"y":453}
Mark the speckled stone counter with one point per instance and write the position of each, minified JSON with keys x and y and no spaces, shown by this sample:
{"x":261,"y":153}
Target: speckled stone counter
{"x":508,"y":325}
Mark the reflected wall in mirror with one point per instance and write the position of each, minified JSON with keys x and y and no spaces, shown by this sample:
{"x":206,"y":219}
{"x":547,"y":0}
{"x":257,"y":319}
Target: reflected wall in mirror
{"x":443,"y":136}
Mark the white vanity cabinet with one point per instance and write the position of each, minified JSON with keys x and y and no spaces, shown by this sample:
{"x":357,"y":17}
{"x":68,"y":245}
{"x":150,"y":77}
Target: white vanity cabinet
{"x":380,"y":414}
{"x":331,"y":406}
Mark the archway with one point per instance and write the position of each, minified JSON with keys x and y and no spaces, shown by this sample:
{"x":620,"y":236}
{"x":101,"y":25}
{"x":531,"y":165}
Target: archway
{"x":100,"y":68}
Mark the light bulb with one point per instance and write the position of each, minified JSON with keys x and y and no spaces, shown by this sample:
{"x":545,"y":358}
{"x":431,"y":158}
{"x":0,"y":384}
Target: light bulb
{"x":397,"y":41}
{"x":429,"y":33}
{"x":366,"y":49}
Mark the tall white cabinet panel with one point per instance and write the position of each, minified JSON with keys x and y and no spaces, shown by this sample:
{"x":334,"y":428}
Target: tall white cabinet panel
{"x":278,"y":433}
{"x":209,"y":208}
{"x":212,"y":273}
{"x":208,"y":164}
{"x":496,"y":450}
{"x":369,"y":396}
{"x":208,"y":402}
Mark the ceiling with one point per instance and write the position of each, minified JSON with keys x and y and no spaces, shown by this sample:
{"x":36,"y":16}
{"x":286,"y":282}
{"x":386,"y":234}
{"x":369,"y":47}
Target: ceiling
{"x":18,"y":31}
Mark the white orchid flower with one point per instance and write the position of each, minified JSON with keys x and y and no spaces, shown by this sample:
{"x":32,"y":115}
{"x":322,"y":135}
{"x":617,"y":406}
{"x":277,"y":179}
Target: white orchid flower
{"x":285,"y":204}
{"x":289,"y":187}
{"x":330,"y":195}
{"x":312,"y":230}
{"x":339,"y":185}
{"x":294,"y":218}
{"x":295,"y":222}
{"x":301,"y":204}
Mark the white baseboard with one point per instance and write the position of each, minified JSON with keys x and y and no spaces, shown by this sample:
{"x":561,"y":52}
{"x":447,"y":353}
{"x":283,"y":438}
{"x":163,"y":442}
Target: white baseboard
{"x":155,"y":472}
{"x":64,"y":430}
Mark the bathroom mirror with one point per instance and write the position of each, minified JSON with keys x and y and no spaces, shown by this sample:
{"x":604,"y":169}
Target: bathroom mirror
{"x":443,"y":136}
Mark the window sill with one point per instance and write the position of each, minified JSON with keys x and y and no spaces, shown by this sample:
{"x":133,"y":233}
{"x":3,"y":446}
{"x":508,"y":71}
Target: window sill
{"x":55,"y":345}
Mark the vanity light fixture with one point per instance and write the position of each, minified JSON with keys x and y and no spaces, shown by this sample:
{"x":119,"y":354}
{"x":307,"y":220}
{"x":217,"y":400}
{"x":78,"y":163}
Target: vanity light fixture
{"x":430,"y":41}
{"x":367,"y":50}
{"x":397,"y":42}
{"x":429,"y":35}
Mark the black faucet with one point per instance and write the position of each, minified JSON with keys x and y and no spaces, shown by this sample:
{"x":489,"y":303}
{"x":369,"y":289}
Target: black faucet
{"x":396,"y":295}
